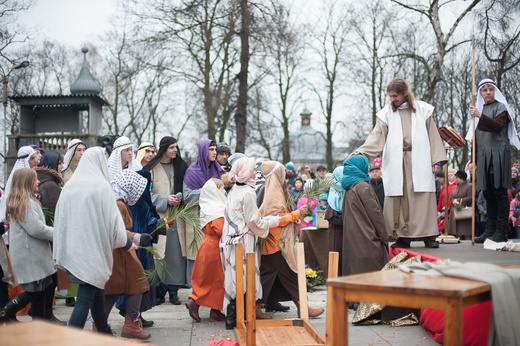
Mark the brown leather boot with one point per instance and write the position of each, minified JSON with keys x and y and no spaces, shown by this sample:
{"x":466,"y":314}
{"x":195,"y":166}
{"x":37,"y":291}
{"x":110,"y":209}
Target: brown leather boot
{"x":193,"y":309}
{"x":132,"y":329}
{"x":262,"y":315}
{"x":315,"y":312}
{"x":312,"y":312}
{"x":216,"y":315}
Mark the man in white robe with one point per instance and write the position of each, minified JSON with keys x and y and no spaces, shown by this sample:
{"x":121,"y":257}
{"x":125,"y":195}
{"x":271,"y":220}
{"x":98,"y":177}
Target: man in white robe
{"x":412,"y":153}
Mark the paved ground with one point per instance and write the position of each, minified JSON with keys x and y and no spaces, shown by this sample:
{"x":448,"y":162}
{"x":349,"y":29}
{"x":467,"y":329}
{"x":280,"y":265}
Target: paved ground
{"x":173,"y":326}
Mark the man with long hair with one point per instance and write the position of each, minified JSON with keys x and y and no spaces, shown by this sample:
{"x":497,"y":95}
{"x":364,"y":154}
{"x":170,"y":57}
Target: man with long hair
{"x":412,"y":151}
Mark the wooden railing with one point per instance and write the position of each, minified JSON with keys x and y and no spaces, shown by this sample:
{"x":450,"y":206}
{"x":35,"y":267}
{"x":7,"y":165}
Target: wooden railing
{"x":48,"y":142}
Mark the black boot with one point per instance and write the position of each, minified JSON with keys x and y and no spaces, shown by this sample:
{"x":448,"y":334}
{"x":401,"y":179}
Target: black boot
{"x":231,"y":315}
{"x":490,"y":230}
{"x":174,"y":296}
{"x":10,"y":309}
{"x":48,"y":315}
{"x":500,"y":234}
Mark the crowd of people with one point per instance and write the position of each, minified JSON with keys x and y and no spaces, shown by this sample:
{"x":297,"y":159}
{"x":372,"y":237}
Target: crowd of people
{"x":86,"y":221}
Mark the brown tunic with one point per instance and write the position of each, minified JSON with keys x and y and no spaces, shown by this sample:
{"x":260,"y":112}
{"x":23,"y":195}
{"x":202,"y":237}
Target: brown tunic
{"x":416,"y":211}
{"x":365,"y":239}
{"x":128,"y":275}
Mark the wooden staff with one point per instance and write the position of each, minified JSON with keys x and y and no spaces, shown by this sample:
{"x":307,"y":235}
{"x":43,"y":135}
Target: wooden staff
{"x":473,"y":146}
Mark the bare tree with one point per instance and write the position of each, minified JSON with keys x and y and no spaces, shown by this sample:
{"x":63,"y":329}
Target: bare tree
{"x":241,"y":111}
{"x":331,"y":47}
{"x":284,"y":47}
{"x":432,"y":11}
{"x":501,"y":36}
{"x":373,"y":39}
{"x":201,"y":33}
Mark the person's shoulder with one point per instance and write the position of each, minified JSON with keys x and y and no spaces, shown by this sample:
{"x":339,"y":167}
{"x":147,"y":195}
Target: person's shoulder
{"x":423,"y":105}
{"x":500,"y":106}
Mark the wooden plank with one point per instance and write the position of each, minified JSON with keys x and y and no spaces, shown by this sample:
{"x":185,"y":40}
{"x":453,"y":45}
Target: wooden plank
{"x":397,"y":281}
{"x":49,"y":334}
{"x":333,"y":273}
{"x":302,"y":282}
{"x":251,"y":299}
{"x":281,"y":332}
{"x":239,"y":271}
{"x":313,"y":333}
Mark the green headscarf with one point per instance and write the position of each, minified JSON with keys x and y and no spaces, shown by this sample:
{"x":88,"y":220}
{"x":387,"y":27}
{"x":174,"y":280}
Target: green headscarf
{"x":355,"y":169}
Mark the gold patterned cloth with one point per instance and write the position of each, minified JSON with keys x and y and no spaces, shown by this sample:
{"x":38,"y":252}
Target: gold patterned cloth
{"x":369,"y":314}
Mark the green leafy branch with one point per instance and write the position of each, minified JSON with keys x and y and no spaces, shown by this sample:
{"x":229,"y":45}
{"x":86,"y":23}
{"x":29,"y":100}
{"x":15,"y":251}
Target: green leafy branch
{"x":187,"y":212}
{"x":157,"y":273}
{"x":49,"y":215}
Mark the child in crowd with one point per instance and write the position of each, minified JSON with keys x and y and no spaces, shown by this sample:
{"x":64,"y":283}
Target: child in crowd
{"x":322,"y":205}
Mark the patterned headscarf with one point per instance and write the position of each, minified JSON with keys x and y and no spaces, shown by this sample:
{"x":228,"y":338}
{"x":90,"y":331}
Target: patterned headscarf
{"x":243,"y":171}
{"x":128,"y":186}
{"x":114,"y":161}
{"x":71,"y":150}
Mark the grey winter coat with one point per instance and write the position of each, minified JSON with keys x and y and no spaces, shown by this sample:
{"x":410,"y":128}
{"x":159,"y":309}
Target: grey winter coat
{"x":29,"y":246}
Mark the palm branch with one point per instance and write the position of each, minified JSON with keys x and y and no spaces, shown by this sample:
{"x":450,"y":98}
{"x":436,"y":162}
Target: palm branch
{"x":158,"y":272}
{"x":270,"y":240}
{"x":292,"y":200}
{"x":189,"y":213}
{"x":49,"y":215}
{"x":317,"y":188}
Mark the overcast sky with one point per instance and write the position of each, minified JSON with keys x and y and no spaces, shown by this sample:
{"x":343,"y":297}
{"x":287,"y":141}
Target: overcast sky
{"x":69,"y":22}
{"x":73,"y":22}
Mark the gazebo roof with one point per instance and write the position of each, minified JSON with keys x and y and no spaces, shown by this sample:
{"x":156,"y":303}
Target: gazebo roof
{"x":57,"y":100}
{"x":85,"y":83}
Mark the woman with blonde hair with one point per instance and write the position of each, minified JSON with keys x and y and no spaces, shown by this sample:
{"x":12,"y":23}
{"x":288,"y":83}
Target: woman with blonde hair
{"x":30,"y":245}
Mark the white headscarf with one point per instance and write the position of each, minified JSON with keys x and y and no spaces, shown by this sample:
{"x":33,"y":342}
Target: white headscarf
{"x":511,"y":129}
{"x":212,"y":203}
{"x":87,"y":222}
{"x":114,"y":161}
{"x":141,"y":151}
{"x":71,"y":150}
{"x":23,"y":156}
{"x":128,"y":186}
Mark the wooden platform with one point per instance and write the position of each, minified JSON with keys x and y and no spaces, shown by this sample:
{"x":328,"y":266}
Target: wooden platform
{"x":48,"y":334}
{"x":252,"y":332}
{"x":281,"y":332}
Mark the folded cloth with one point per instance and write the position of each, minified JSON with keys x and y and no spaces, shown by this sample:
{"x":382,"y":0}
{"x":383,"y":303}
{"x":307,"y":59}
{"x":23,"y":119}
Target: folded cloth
{"x":505,"y":294}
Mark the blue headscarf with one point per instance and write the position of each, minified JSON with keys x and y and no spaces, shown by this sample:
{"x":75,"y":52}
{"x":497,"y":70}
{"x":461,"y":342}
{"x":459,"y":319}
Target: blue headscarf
{"x":335,"y":199}
{"x":355,"y":169}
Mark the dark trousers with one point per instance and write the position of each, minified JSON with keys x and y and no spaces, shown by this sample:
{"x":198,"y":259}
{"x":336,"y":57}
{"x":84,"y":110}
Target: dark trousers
{"x":93,"y":299}
{"x":279,"y":282}
{"x":4,"y":293}
{"x":497,"y":201}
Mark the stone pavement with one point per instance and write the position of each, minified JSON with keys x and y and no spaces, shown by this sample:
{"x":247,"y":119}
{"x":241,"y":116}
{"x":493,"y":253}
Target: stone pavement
{"x":173,"y":326}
